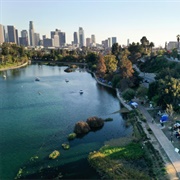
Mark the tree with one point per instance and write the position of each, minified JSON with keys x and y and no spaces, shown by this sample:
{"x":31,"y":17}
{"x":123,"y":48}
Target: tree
{"x":144,"y":42}
{"x":151,"y":45}
{"x":126,"y":69}
{"x":115,"y":49}
{"x":178,"y":37}
{"x":101,"y":67}
{"x":169,"y":90}
{"x":170,"y":112}
{"x":111,"y":63}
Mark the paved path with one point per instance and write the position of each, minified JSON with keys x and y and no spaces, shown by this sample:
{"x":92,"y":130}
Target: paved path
{"x":15,"y":67}
{"x":163,"y":140}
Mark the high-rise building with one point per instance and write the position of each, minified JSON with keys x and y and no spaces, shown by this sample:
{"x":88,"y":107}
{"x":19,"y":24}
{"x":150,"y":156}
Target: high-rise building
{"x":55,"y":36}
{"x":31,"y":34}
{"x":44,"y":37}
{"x":93,"y":40}
{"x":61,"y":35}
{"x":48,"y":42}
{"x":171,"y":45}
{"x":56,"y":40}
{"x":109,"y":42}
{"x":17,"y":37}
{"x":75,"y":38}
{"x":36,"y":39}
{"x":11,"y":34}
{"x":114,"y":40}
{"x":81,"y":37}
{"x":62,"y":38}
{"x":23,"y":40}
{"x":88,"y":42}
{"x":2,"y":34}
{"x":24,"y":33}
{"x":127,"y":42}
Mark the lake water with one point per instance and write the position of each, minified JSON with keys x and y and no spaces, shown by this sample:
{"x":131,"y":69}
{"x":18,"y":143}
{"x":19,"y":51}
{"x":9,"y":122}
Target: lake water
{"x":37,"y":116}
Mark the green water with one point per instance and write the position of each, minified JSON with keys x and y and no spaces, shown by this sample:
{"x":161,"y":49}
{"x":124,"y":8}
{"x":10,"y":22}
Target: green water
{"x":37,"y":116}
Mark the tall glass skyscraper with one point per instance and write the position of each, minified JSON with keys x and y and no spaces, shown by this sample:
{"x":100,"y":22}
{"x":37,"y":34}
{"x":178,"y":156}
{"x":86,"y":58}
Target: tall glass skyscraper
{"x":81,"y":37}
{"x":93,"y":39}
{"x":31,"y":34}
{"x":11,"y":34}
{"x":75,"y":38}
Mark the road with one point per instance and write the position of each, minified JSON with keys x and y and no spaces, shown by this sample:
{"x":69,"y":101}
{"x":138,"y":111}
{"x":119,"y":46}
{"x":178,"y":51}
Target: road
{"x":147,"y":77}
{"x":173,"y":156}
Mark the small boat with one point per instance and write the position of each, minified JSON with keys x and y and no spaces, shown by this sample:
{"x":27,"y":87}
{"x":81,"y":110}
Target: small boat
{"x":4,"y":76}
{"x":37,"y":79}
{"x":66,"y":80}
{"x":81,"y":91}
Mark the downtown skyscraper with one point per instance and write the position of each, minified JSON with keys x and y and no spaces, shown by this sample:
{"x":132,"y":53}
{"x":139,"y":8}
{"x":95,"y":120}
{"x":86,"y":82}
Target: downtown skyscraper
{"x":12,"y":34}
{"x":31,"y":34}
{"x":23,"y":40}
{"x":75,"y":35}
{"x":81,"y":37}
{"x":2,"y":34}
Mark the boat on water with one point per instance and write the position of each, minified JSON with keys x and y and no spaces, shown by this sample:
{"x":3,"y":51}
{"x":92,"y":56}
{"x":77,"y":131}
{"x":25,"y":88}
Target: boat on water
{"x":66,"y":80}
{"x":81,"y":91}
{"x":37,"y":79}
{"x":4,"y":76}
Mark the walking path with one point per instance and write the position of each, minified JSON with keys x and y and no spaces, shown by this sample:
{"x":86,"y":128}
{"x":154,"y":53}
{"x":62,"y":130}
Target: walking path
{"x":173,"y":156}
{"x":14,"y":67}
{"x":166,"y":145}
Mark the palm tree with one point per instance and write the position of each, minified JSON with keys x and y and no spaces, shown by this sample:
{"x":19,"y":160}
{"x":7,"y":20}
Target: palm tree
{"x":151,"y":45}
{"x":178,"y":38}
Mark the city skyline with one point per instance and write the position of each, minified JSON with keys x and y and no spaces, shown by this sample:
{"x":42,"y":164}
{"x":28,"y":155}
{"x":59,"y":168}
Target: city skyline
{"x":122,"y":19}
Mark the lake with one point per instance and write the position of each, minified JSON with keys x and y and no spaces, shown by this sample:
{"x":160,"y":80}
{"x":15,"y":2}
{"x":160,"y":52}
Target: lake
{"x":37,"y":116}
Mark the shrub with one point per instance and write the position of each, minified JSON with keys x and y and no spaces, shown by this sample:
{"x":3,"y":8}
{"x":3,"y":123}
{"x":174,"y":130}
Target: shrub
{"x":95,"y":122}
{"x":128,"y":94}
{"x":81,"y":127}
{"x":72,"y":136}
{"x":108,"y":119}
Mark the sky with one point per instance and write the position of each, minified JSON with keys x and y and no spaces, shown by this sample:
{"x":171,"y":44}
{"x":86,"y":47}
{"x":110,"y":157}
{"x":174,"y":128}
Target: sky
{"x":158,"y":20}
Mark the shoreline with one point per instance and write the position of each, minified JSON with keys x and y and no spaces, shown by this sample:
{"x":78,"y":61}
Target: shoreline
{"x":170,"y":169}
{"x":117,"y":93}
{"x":14,"y":67}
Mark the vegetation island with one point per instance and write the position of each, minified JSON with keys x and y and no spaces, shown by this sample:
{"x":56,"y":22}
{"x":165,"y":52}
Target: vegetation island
{"x":132,"y":157}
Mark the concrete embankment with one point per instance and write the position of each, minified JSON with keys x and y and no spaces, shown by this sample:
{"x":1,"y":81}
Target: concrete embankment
{"x":117,"y":93}
{"x":14,"y":67}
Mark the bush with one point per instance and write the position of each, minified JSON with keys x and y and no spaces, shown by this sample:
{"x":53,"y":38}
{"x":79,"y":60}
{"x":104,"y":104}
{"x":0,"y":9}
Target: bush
{"x":128,"y":94}
{"x":81,"y":127}
{"x":72,"y":136}
{"x":108,"y":119}
{"x":95,"y":122}
{"x":116,"y":81}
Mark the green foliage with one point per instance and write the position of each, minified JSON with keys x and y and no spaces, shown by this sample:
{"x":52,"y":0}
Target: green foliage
{"x":115,"y":49}
{"x":72,"y":136}
{"x":116,"y":81}
{"x":108,"y":119}
{"x":126,"y":69}
{"x":142,"y":91}
{"x":131,"y":151}
{"x":157,"y":64}
{"x":128,"y":94}
{"x":91,"y":58}
{"x":111,"y":63}
{"x":153,"y":90}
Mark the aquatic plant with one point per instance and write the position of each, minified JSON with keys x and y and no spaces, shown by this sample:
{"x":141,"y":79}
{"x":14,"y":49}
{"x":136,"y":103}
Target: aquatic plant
{"x":71,"y":136}
{"x":66,"y":146}
{"x":54,"y":154}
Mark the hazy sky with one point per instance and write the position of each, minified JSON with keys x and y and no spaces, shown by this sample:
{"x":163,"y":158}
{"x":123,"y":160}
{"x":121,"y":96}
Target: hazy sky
{"x":158,"y":20}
